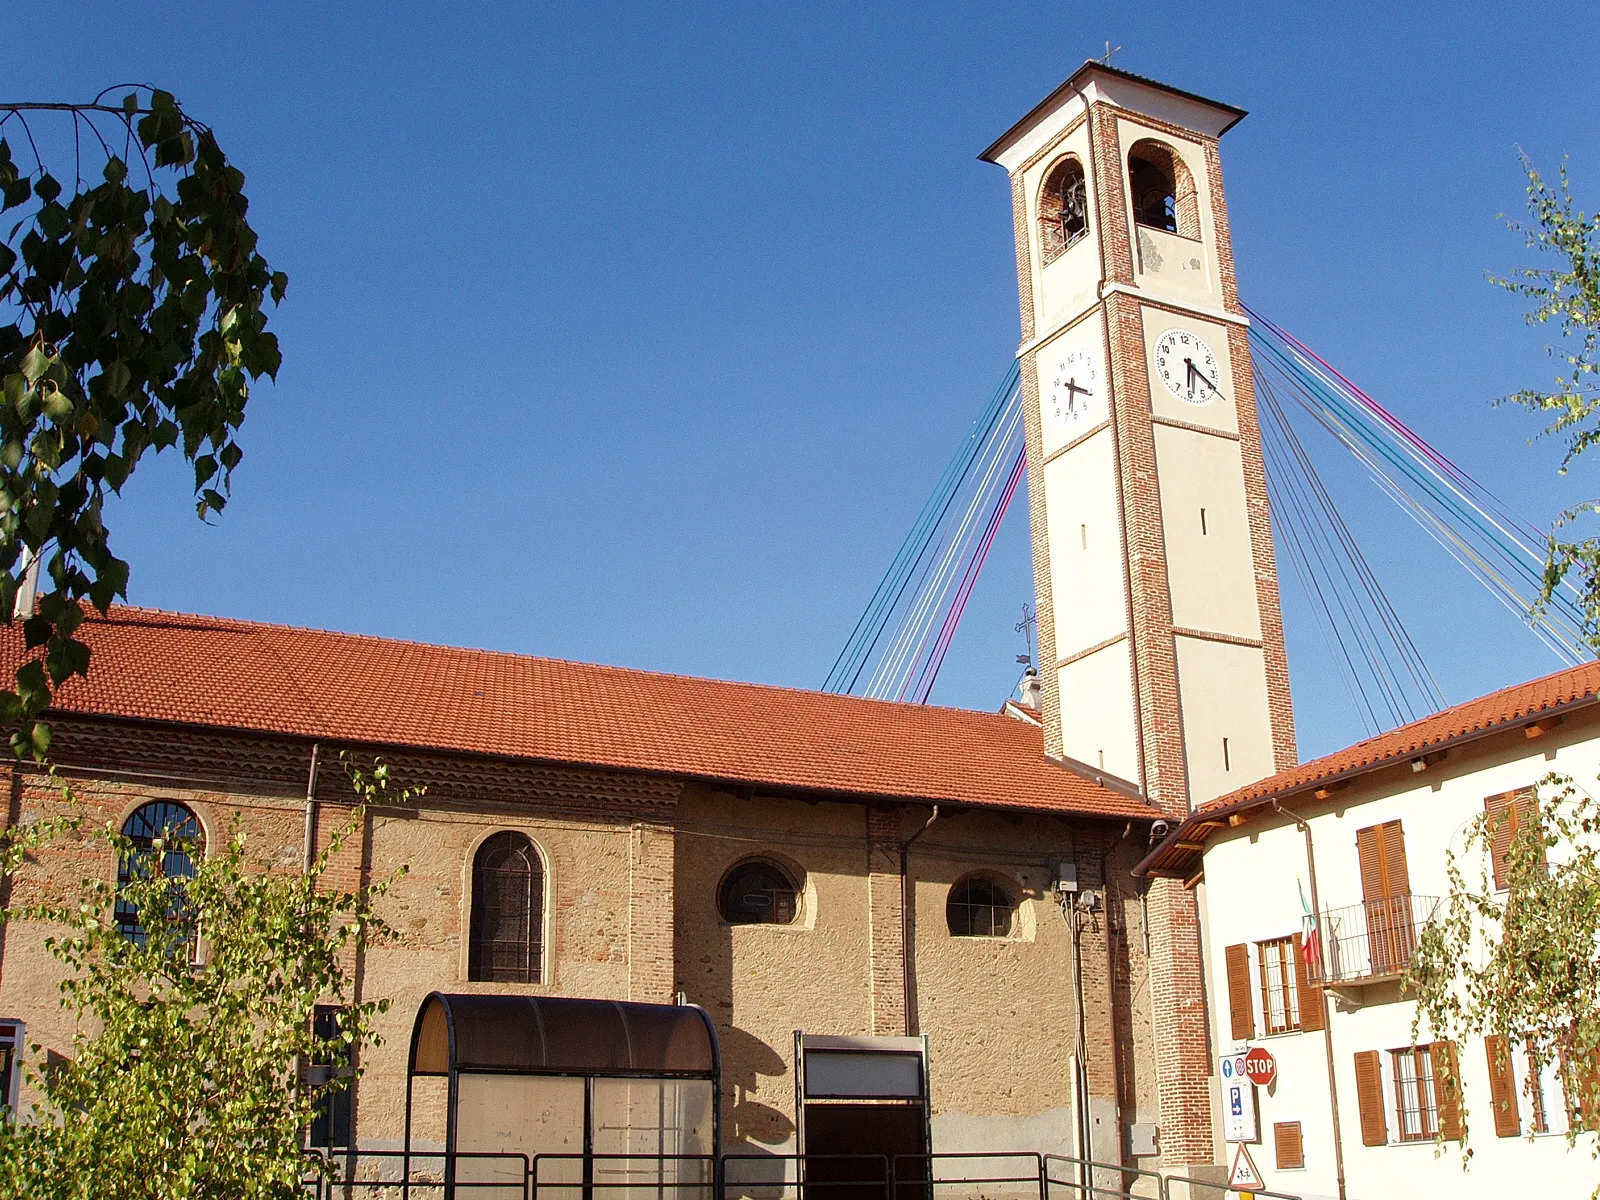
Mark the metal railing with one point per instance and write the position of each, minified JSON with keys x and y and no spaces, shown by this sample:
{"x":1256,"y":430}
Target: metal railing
{"x":397,"y":1175}
{"x":1014,"y":1175}
{"x":1367,"y":942}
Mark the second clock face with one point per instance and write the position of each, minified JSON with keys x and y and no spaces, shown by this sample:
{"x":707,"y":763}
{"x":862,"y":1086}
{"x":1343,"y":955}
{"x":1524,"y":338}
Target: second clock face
{"x":1188,"y":367}
{"x":1073,"y":388}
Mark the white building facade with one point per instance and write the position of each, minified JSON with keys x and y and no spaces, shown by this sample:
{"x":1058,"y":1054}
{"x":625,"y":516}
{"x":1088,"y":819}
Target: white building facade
{"x":1359,"y":1102}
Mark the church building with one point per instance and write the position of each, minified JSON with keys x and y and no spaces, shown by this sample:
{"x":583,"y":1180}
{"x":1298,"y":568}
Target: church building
{"x":819,"y":873}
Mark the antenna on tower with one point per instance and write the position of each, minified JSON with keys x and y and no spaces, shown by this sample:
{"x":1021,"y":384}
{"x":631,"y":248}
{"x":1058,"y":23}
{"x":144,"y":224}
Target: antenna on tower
{"x":1110,"y":50}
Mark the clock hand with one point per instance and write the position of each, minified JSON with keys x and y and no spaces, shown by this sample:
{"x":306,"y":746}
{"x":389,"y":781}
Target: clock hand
{"x":1194,"y":370}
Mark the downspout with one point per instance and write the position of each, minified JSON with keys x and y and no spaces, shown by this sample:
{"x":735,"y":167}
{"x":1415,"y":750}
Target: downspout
{"x":1111,"y":974}
{"x":908,"y":954}
{"x":311,"y":808}
{"x":1080,"y":1049}
{"x":1322,"y":999}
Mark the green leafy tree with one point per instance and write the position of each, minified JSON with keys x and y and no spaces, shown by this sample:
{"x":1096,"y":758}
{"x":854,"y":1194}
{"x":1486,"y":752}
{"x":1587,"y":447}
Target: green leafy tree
{"x":1566,"y":296}
{"x":131,"y":320}
{"x":183,"y":1079}
{"x":1522,"y":962}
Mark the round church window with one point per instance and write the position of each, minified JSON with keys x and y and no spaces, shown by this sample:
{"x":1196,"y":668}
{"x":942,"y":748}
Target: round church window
{"x":979,"y":907}
{"x":757,"y":892}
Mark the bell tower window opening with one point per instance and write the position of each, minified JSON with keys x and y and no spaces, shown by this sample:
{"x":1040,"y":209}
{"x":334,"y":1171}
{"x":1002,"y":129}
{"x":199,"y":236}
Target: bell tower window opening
{"x":507,"y":911}
{"x":1162,"y":189}
{"x":1063,"y":210}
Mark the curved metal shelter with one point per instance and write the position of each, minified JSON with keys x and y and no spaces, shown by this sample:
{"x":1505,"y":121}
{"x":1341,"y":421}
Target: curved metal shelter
{"x":570,"y":1095}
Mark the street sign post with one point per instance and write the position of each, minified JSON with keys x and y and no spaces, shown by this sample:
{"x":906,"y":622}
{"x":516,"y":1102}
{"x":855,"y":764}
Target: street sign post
{"x":1244,"y":1177}
{"x":1260,"y":1066}
{"x":1238,"y":1101}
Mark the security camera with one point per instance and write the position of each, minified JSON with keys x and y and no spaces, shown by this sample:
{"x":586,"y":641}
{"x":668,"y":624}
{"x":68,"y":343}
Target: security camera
{"x":1159,"y":831}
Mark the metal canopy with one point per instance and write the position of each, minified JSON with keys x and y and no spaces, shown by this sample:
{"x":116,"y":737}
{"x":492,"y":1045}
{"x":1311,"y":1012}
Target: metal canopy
{"x":557,"y":1035}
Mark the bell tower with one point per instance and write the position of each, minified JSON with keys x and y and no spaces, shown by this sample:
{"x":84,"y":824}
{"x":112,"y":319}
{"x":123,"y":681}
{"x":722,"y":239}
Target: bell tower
{"x":1160,"y":634}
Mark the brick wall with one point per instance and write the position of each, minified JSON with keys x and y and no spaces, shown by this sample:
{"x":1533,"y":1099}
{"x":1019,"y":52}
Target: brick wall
{"x":885,"y":941}
{"x":651,"y":909}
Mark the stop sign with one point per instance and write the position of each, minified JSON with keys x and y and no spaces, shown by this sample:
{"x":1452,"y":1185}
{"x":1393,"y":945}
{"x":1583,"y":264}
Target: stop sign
{"x":1261,"y":1067}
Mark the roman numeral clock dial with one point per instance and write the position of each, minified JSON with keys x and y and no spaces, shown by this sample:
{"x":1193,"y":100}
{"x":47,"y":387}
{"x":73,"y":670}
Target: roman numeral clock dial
{"x":1073,"y":393}
{"x":1188,"y":367}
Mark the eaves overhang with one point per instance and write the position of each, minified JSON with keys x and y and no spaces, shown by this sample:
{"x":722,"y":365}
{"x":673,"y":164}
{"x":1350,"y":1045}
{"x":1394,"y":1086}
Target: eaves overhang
{"x":1181,"y":853}
{"x":1230,"y":114}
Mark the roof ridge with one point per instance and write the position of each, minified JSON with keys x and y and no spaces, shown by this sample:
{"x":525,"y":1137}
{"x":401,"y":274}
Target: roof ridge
{"x":247,"y":625}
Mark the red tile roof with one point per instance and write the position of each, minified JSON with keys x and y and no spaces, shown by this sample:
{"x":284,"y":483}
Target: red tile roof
{"x":1521,"y":703}
{"x":241,"y":675}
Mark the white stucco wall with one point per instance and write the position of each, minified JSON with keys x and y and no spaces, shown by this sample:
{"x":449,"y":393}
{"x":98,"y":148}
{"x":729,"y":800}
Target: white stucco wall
{"x":1253,"y":880}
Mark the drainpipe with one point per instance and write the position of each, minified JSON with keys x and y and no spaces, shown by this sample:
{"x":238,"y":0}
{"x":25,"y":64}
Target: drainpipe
{"x":1111,"y":971}
{"x":1080,"y":1049}
{"x":1322,"y":999}
{"x":311,"y":808}
{"x":908,"y":963}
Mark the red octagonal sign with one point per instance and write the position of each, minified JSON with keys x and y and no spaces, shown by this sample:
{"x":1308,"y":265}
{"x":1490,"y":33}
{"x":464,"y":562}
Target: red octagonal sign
{"x":1261,"y":1067}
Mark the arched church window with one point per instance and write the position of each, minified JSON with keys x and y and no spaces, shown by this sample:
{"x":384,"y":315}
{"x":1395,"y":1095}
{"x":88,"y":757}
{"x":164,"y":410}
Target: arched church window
{"x":164,"y":835}
{"x":979,"y":907}
{"x":507,"y":938}
{"x":1063,"y":209}
{"x":1162,"y":189}
{"x":758,"y":892}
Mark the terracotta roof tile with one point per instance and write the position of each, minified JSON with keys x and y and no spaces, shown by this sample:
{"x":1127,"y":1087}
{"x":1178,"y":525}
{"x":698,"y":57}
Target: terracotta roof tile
{"x":242,"y":675}
{"x":1509,"y":706}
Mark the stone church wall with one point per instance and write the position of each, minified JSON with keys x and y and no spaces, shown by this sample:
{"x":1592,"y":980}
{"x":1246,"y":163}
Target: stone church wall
{"x":633,"y":865}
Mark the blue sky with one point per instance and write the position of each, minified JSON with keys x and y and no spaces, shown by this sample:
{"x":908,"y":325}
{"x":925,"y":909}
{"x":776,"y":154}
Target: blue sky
{"x":638,"y":333}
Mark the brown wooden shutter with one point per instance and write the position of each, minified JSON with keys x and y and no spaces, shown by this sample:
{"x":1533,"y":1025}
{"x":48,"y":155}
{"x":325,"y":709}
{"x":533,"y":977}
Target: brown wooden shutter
{"x":1385,"y":887}
{"x":1447,"y":1089}
{"x":1397,"y":875}
{"x":1580,"y":1079}
{"x":1508,"y":813}
{"x":1384,"y":872}
{"x":1312,"y":1016}
{"x":1241,"y":1008}
{"x":1369,"y":1096}
{"x":1502,"y":1087}
{"x":1289,"y":1146}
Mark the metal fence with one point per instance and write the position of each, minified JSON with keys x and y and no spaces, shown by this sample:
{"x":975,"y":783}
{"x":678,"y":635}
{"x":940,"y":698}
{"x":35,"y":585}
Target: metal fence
{"x":396,"y":1175}
{"x":1367,"y":942}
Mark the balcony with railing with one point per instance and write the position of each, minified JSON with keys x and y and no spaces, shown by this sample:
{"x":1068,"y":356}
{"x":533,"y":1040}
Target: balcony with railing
{"x":1371,"y":942}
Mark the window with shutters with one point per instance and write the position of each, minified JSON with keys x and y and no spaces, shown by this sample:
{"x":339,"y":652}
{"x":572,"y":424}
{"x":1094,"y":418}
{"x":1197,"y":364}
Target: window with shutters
{"x":1289,"y":1148}
{"x":507,"y":942}
{"x":1416,"y":1104}
{"x":1509,"y":814}
{"x":1280,"y":992}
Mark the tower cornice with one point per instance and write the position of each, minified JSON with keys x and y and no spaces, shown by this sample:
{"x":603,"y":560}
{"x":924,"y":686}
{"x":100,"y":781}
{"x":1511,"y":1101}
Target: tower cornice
{"x":1096,"y":82}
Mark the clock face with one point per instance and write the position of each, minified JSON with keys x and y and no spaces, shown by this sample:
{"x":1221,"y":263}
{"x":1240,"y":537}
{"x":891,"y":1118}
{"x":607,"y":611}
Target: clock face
{"x":1188,"y":368}
{"x":1073,"y":389}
